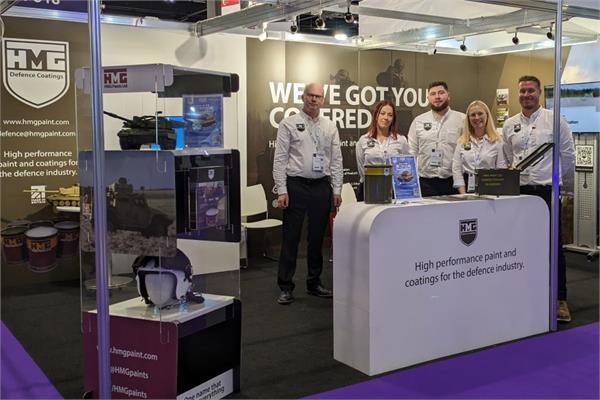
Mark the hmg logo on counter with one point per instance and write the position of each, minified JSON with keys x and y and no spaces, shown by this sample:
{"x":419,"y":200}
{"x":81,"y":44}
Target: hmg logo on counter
{"x":467,"y":231}
{"x":35,"y":72}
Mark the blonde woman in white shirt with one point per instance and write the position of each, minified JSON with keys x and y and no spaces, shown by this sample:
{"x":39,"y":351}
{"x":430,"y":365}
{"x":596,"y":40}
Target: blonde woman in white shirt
{"x":380,"y":142}
{"x":479,"y":147}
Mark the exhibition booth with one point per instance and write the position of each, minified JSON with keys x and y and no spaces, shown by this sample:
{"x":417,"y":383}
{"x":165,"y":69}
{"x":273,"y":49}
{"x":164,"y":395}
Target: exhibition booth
{"x":131,"y":267}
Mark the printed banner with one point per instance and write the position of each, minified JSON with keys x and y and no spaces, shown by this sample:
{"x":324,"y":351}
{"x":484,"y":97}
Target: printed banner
{"x":405,"y":178}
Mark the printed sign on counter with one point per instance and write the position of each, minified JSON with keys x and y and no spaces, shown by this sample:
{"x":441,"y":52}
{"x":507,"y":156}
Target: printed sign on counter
{"x":405,"y":178}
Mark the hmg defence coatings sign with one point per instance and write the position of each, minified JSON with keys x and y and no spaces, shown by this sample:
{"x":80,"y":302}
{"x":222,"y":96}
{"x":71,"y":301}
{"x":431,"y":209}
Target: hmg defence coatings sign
{"x":36,"y":72}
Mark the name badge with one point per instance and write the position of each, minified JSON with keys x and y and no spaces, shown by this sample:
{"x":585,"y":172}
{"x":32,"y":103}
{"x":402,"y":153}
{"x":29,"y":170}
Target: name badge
{"x":318,"y":161}
{"x":436,"y":158}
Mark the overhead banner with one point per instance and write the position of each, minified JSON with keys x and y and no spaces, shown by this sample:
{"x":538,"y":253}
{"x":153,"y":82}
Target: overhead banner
{"x":353,"y":83}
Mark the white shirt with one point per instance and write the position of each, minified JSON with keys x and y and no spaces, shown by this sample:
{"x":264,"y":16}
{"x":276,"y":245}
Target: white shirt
{"x":428,"y":134}
{"x":369,"y":151}
{"x":299,"y":137}
{"x":472,"y":156}
{"x":523,"y":135}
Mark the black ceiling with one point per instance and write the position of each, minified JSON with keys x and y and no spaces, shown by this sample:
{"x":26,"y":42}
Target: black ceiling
{"x":180,"y":10}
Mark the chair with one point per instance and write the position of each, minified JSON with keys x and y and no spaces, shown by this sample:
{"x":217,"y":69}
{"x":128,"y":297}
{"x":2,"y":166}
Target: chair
{"x":254,"y":202}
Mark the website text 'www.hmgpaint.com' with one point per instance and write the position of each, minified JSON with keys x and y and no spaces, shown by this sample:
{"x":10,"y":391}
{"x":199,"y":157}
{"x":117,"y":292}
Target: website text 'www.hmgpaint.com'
{"x":133,"y":353}
{"x":36,"y":122}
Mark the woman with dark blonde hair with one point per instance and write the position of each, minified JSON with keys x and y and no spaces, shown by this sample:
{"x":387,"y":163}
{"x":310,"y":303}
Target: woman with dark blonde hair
{"x":479,"y":147}
{"x":381,"y":141}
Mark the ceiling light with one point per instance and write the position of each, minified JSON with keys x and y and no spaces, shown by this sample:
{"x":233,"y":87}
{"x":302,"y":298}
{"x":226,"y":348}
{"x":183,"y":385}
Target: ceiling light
{"x":463,"y":46}
{"x":320,"y":22}
{"x":515,"y":39}
{"x":340,"y":36}
{"x":263,"y":36}
{"x":294,"y":26}
{"x":550,"y":35}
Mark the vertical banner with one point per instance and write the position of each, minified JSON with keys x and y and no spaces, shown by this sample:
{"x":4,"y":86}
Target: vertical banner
{"x":38,"y":139}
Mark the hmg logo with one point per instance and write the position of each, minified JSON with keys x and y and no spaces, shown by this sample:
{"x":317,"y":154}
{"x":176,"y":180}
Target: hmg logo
{"x":467,"y":230}
{"x":36,"y":72}
{"x":115,"y":78}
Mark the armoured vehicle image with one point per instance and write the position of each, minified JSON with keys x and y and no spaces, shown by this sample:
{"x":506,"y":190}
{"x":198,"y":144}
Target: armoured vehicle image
{"x":64,"y":196}
{"x":142,"y":130}
{"x":129,"y":210}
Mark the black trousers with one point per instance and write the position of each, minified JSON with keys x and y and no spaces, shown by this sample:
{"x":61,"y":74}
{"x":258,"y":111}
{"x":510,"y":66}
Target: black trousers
{"x":545,"y":192}
{"x":310,"y":197}
{"x":437,"y":186}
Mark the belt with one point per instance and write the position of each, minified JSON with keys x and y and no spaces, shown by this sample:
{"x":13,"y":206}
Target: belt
{"x":308,"y":181}
{"x":537,"y":187}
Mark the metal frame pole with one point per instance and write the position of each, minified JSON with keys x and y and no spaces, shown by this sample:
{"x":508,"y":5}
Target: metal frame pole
{"x":99,"y":209}
{"x":555,"y":222}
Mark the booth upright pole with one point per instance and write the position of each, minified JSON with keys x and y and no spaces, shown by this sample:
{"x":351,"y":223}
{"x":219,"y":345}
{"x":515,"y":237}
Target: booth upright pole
{"x":555,"y":221}
{"x":99,"y":208}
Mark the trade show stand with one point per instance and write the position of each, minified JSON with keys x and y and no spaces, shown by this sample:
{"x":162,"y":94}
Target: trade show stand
{"x":181,"y":353}
{"x":431,"y":278}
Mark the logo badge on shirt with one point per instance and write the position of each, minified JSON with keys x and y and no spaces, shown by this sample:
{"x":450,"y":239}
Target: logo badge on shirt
{"x":517,"y":127}
{"x":467,"y":146}
{"x":300,"y":127}
{"x":371,"y":143}
{"x":427,"y":126}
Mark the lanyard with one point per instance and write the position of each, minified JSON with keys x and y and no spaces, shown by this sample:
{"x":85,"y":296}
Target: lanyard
{"x":314,"y":130}
{"x":440,"y":125}
{"x":384,"y":148}
{"x":530,"y":128}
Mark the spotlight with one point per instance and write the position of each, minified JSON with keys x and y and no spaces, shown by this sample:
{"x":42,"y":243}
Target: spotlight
{"x":320,"y":22}
{"x":463,"y":46}
{"x":294,"y":27}
{"x":550,"y":35}
{"x":515,"y":39}
{"x":348,"y":17}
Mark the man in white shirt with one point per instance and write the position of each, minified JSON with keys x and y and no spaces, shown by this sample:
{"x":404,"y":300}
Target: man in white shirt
{"x":523,"y":133}
{"x":308,"y":174}
{"x":432,"y":139}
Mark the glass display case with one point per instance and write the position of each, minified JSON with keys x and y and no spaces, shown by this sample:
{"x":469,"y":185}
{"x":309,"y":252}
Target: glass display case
{"x":172,"y":237}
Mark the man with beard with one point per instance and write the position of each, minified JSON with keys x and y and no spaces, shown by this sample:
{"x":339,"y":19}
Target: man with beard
{"x":523,"y":133}
{"x":432,"y":139}
{"x":308,"y":174}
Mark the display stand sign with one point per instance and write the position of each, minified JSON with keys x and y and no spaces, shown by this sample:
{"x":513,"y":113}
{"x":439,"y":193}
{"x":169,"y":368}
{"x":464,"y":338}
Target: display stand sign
{"x":405,"y":178}
{"x":203,"y":116}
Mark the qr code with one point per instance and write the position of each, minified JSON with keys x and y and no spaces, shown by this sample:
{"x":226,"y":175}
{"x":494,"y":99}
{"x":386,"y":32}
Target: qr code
{"x":584,"y":156}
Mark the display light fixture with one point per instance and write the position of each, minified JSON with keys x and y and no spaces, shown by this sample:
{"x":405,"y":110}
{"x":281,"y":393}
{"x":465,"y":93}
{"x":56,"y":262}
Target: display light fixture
{"x":348,"y":17}
{"x":320,"y":22}
{"x":341,"y":36}
{"x":294,"y":27}
{"x":549,"y":34}
{"x":463,"y":46}
{"x":515,"y":39}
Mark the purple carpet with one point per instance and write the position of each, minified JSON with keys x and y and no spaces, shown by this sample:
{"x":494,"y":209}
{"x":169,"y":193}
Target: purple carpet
{"x":20,"y":377}
{"x":561,"y":365}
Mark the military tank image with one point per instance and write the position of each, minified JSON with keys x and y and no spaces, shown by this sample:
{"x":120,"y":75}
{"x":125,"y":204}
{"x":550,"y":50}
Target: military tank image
{"x":129,"y":210}
{"x":64,"y":196}
{"x":142,"y":130}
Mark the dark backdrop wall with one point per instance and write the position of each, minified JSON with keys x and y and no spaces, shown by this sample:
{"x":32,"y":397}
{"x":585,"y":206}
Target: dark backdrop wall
{"x":39,"y":126}
{"x":356,"y":80}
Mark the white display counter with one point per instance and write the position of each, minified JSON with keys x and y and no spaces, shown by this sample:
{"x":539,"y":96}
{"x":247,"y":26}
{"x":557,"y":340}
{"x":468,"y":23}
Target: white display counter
{"x":428,"y":279}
